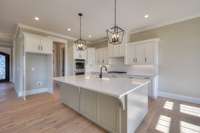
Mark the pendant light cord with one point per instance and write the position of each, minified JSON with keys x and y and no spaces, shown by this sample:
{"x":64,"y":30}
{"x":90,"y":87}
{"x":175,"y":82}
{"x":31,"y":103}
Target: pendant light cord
{"x":80,"y":27}
{"x":115,"y":12}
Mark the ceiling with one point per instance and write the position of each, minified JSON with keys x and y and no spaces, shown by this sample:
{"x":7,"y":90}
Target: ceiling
{"x":58,"y":15}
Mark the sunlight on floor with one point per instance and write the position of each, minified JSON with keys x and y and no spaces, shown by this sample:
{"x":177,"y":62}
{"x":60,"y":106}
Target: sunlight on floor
{"x":163,"y":124}
{"x":169,"y":105}
{"x":189,"y":128}
{"x":190,"y":110}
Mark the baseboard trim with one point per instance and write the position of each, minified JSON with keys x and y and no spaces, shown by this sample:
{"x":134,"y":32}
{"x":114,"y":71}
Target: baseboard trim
{"x":180,"y":97}
{"x":34,"y":91}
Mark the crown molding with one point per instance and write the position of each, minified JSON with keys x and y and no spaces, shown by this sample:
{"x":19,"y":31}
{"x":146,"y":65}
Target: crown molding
{"x":6,"y":37}
{"x":164,"y":24}
{"x":38,"y":30}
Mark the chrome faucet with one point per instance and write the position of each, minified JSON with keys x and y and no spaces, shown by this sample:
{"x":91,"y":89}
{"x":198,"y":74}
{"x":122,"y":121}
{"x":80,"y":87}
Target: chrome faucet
{"x":101,"y":69}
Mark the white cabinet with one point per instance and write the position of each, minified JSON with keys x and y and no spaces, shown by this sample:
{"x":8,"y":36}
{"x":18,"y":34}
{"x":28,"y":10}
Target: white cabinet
{"x":143,"y":52}
{"x":116,"y":50}
{"x":102,"y":56}
{"x":130,"y":54}
{"x":140,"y":54}
{"x":77,"y":54}
{"x":37,"y":44}
{"x":90,"y":57}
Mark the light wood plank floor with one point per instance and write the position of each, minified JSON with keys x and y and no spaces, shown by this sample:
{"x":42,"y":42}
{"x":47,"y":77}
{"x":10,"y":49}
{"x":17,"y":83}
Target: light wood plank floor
{"x":44,"y":113}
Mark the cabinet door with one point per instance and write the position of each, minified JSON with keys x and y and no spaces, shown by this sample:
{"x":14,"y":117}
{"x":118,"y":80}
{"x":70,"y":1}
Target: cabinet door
{"x":47,"y":46}
{"x":149,"y":53}
{"x":98,"y":57}
{"x":32,"y":43}
{"x":90,"y":56}
{"x":110,"y":50}
{"x":106,"y":55}
{"x":122,"y":50}
{"x":140,"y":54}
{"x":83,"y":54}
{"x":130,"y":55}
{"x":88,"y":104}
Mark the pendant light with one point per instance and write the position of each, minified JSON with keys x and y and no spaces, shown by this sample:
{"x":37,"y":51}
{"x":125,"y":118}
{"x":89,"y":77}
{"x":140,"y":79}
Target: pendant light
{"x":115,"y":34}
{"x":80,"y":43}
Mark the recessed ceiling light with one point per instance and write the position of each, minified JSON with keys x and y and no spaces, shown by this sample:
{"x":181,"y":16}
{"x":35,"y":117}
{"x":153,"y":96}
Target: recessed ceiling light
{"x":146,"y":16}
{"x":36,"y":18}
{"x":69,"y":29}
{"x":90,"y":36}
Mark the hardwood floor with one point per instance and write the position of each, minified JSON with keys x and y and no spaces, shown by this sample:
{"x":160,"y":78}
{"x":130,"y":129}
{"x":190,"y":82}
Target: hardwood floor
{"x":44,"y":113}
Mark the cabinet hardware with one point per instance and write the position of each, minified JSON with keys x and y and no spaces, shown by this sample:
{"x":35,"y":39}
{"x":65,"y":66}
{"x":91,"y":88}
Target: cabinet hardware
{"x":145,"y":59}
{"x":42,"y":48}
{"x":38,"y":47}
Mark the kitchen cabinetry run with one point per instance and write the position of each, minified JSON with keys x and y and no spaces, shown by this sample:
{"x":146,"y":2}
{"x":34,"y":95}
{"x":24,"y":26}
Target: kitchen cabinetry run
{"x":102,"y":56}
{"x":142,"y":52}
{"x":37,"y":44}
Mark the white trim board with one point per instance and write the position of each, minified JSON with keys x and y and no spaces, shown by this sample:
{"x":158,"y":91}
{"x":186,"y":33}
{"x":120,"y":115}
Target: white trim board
{"x":179,"y":97}
{"x":34,"y":91}
{"x":49,"y":33}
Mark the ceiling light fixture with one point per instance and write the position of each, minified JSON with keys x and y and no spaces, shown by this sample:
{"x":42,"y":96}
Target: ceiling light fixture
{"x":80,"y":43}
{"x":36,"y":18}
{"x":115,"y":34}
{"x":69,"y":29}
{"x":146,"y":16}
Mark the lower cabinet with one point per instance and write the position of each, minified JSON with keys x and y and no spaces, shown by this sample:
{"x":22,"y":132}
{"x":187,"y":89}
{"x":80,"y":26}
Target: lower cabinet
{"x":101,"y":109}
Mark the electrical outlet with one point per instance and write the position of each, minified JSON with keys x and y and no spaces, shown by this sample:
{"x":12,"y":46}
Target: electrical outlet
{"x":39,"y":83}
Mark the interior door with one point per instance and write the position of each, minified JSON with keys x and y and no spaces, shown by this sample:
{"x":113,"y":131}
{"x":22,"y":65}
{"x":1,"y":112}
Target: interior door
{"x":4,"y":67}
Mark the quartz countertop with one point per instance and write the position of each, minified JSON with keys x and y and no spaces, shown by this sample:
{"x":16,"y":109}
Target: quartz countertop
{"x":116,"y":87}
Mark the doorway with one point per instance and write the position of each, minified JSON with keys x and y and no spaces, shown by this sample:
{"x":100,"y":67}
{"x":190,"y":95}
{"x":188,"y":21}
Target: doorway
{"x":4,"y":67}
{"x":58,"y":59}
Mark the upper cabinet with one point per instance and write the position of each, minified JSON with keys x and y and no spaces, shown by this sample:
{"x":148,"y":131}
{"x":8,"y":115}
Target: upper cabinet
{"x":102,"y":56}
{"x":90,"y":61}
{"x":116,"y":50}
{"x":142,"y":52}
{"x":79,"y":54}
{"x":37,"y":44}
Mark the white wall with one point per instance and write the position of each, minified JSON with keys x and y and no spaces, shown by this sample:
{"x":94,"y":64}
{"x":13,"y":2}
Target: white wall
{"x":179,"y":56}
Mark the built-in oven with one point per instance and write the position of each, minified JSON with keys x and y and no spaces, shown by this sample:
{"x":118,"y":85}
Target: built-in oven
{"x":79,"y":67}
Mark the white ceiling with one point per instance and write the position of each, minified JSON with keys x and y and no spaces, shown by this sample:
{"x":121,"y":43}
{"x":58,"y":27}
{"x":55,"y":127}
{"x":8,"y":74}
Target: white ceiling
{"x":58,"y":15}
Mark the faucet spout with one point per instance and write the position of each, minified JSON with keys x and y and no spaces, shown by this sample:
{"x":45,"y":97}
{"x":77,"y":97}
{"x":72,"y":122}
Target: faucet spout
{"x":101,"y":69}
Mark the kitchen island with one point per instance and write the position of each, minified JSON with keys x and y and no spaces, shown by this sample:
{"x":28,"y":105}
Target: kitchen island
{"x":116,"y":104}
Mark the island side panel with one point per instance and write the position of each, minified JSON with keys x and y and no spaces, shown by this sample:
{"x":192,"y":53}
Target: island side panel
{"x":137,"y":108}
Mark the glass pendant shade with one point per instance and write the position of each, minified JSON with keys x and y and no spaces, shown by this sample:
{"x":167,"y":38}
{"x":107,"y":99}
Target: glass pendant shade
{"x":115,"y":34}
{"x":80,"y":43}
